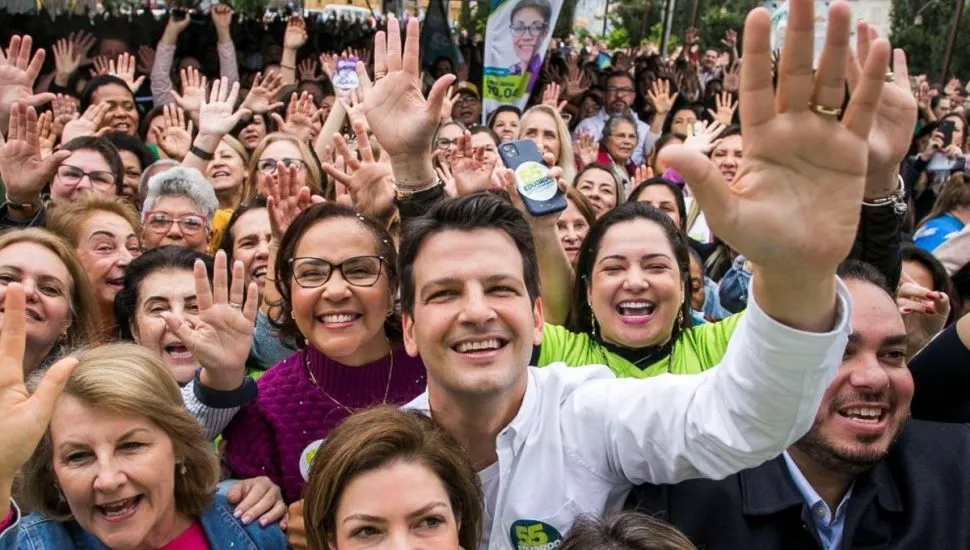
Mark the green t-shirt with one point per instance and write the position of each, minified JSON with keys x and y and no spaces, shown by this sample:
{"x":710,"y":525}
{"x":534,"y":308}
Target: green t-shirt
{"x":698,"y":349}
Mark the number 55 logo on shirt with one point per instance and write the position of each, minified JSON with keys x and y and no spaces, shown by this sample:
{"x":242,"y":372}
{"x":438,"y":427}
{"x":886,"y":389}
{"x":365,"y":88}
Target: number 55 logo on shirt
{"x":527,"y":534}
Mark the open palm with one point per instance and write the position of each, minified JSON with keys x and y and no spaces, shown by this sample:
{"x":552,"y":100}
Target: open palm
{"x":221,"y":339}
{"x":23,"y":417}
{"x":794,"y":205}
{"x":396,"y":110}
{"x":18,"y":71}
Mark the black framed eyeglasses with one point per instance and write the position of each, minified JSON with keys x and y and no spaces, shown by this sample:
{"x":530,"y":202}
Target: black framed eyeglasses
{"x":357,"y":271}
{"x":71,"y":176}
{"x":444,"y":143}
{"x":535,"y":29}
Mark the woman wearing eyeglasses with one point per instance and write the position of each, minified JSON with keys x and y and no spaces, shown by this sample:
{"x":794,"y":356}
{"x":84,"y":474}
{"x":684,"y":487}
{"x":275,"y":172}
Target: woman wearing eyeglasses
{"x":336,"y":274}
{"x":178,"y":210}
{"x":283,"y":148}
{"x":529,"y":24}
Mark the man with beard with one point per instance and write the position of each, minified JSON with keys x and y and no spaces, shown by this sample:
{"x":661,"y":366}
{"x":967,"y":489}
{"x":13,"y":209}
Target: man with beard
{"x":619,"y":96}
{"x":865,"y":475}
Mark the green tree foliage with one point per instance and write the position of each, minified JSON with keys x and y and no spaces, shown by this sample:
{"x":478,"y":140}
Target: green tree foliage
{"x":921,"y":28}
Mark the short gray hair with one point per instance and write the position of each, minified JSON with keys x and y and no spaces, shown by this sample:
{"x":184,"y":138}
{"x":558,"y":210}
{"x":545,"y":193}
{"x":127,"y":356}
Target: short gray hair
{"x":181,"y":181}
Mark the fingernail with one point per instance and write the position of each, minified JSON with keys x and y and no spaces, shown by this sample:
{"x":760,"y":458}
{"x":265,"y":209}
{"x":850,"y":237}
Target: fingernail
{"x":246,"y":520}
{"x":237,"y":513}
{"x":907,"y":310}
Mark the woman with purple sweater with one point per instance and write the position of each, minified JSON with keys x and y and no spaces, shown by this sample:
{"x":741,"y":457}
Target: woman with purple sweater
{"x":337,"y":277}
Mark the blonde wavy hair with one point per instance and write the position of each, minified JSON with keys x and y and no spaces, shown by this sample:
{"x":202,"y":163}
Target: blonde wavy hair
{"x":131,"y":380}
{"x":566,"y":161}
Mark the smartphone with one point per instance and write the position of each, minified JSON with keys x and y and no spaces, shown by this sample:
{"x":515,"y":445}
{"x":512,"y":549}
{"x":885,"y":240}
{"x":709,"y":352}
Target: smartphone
{"x":946,"y":128}
{"x":346,"y":76}
{"x":179,"y":14}
{"x":539,"y":192}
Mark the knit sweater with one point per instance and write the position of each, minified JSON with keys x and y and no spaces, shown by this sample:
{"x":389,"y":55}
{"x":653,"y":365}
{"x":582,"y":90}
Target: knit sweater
{"x":277,"y":434}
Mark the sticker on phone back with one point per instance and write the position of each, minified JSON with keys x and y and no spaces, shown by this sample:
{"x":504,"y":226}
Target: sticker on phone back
{"x":533,"y":183}
{"x":346,"y":76}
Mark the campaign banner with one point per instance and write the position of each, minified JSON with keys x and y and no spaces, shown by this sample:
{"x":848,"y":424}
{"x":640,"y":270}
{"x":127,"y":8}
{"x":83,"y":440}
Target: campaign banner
{"x":516,"y":41}
{"x":436,"y":39}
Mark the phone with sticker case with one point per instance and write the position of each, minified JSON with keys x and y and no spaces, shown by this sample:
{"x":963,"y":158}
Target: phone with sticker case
{"x":539,"y":192}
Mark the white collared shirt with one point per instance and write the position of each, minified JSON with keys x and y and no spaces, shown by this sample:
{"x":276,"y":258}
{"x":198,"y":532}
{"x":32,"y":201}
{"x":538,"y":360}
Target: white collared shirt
{"x":582,"y":438}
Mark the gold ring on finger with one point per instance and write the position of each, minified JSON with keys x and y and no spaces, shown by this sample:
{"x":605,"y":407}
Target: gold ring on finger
{"x":825,"y":111}
{"x":235,"y":306}
{"x":890,"y":76}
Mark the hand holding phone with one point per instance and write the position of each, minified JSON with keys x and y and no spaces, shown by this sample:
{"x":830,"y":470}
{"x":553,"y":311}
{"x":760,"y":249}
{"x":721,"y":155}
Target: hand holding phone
{"x":539,"y":192}
{"x":946,"y":128}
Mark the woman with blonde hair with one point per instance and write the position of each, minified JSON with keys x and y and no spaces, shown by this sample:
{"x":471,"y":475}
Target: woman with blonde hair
{"x":278,"y":149}
{"x":108,"y":456}
{"x":104,"y":232}
{"x":62,"y":309}
{"x":392,"y":474}
{"x":544,"y":125}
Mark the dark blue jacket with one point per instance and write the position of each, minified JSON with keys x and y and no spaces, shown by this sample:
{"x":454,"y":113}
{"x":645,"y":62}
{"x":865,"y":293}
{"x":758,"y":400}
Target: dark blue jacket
{"x":222,"y":530}
{"x":917,"y":497}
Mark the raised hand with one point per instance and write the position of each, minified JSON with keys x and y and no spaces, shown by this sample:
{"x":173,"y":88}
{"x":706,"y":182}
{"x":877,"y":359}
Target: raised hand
{"x":706,"y":139}
{"x":193,"y":90}
{"x":64,"y":109}
{"x":730,"y":40}
{"x":469,"y":168}
{"x":221,"y":338}
{"x":24,"y":170}
{"x":18,"y":71}
{"x":83,"y":42}
{"x":308,"y":70}
{"x":88,"y":124}
{"x":221,"y":15}
{"x":402,"y":120}
{"x":894,"y":119}
{"x":448,"y":105}
{"x":300,"y":115}
{"x":660,"y":97}
{"x":550,"y":97}
{"x":642,"y":174}
{"x":24,"y":416}
{"x":66,"y":60}
{"x":146,"y":59}
{"x":924,"y":313}
{"x":369,"y":181}
{"x":100,"y":66}
{"x":174,"y":138}
{"x":793,"y":208}
{"x":576,"y":82}
{"x":264,"y":93}
{"x":725,"y":105}
{"x":285,"y":201}
{"x":46,"y":137}
{"x":124,"y":68}
{"x":586,"y":148}
{"x":732,"y":78}
{"x":216,"y":116}
{"x":328,"y":61}
{"x":295,"y":35}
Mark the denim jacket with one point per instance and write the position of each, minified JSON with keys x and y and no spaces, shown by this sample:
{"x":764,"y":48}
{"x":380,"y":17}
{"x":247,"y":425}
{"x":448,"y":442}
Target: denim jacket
{"x":222,"y":530}
{"x":733,"y":288}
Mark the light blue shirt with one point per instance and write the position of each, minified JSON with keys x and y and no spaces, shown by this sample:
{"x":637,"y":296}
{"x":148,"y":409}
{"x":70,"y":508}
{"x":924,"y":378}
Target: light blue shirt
{"x":829,"y":530}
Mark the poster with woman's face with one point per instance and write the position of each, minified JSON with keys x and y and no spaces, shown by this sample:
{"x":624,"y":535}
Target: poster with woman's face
{"x":516,"y":40}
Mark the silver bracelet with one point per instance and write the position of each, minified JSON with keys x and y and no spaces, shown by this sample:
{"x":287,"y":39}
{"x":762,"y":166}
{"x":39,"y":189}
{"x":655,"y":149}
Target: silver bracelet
{"x":897,"y":199}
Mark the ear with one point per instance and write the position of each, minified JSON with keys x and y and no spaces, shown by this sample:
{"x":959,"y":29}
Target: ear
{"x":538,"y":322}
{"x":407,"y":329}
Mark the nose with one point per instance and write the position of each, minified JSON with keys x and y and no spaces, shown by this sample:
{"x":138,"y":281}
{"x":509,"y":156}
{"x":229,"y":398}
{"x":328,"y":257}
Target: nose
{"x":869,"y":374}
{"x":30,"y":290}
{"x":336,"y":289}
{"x":262,"y":250}
{"x":175,"y":232}
{"x":124,"y":258}
{"x":109,"y":477}
{"x":635,"y":280}
{"x":475,"y":309}
{"x":84,"y":184}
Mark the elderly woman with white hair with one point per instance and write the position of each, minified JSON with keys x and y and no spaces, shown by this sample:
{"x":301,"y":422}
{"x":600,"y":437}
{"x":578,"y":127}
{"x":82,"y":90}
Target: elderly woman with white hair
{"x":178,"y":210}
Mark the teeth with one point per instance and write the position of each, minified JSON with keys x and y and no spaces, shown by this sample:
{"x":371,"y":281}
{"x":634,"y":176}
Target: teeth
{"x":636,"y":308}
{"x":339,"y":318}
{"x":867,"y":415}
{"x":491,"y":343}
{"x":635,"y":305}
{"x":33,"y":315}
{"x":119,"y":508}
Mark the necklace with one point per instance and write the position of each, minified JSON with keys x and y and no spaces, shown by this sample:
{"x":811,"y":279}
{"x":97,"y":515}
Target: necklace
{"x":313,"y":380}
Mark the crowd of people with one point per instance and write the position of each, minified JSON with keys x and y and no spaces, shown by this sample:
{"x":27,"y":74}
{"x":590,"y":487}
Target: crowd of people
{"x":245,"y":305}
